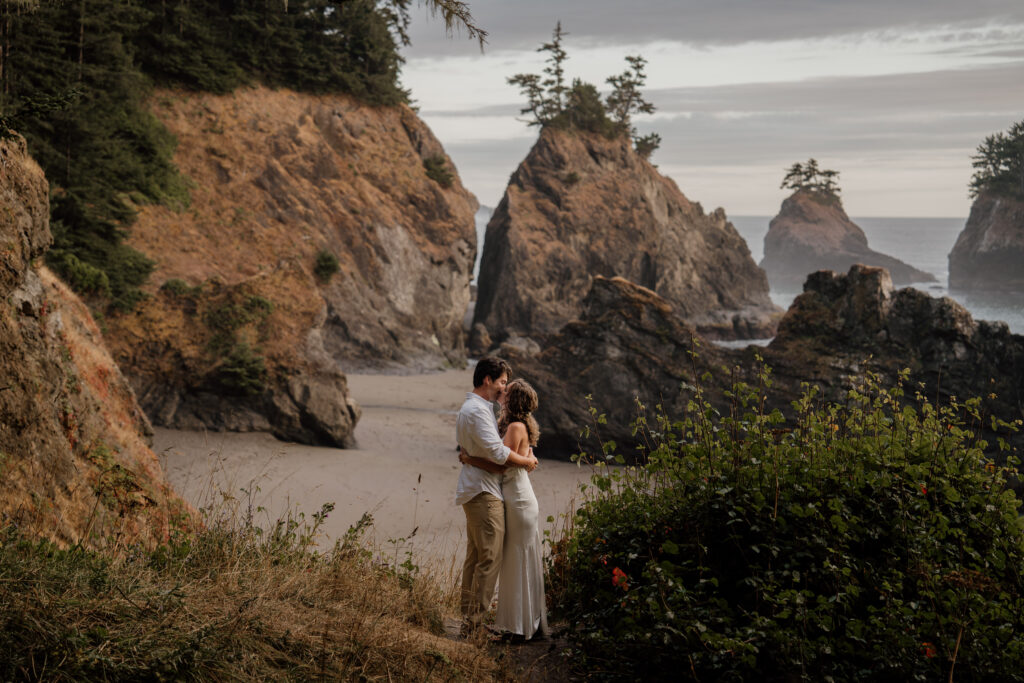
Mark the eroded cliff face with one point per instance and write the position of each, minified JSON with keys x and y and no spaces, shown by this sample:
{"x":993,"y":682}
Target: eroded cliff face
{"x":812,"y":232}
{"x":75,"y":464}
{"x":988,"y":256}
{"x":629,"y":343}
{"x":280,"y":180}
{"x":581,"y":206}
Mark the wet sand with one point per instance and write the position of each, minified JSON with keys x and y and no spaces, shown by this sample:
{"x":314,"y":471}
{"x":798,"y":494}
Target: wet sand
{"x":403,"y":471}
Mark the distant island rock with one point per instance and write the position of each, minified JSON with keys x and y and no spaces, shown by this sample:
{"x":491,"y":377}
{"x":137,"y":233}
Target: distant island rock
{"x":75,"y":461}
{"x":630,"y":345}
{"x":988,"y":256}
{"x":323,"y":236}
{"x":581,"y":206}
{"x":812,"y":232}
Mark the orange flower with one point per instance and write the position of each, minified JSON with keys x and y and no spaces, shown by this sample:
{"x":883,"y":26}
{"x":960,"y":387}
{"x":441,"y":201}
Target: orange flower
{"x":619,"y":579}
{"x":929,"y":650}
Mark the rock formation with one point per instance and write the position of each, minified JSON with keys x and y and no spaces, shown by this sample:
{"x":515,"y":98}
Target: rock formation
{"x":631,"y":344}
{"x":988,"y":256}
{"x":284,"y":184}
{"x":812,"y":232}
{"x":581,"y":205}
{"x":75,"y":464}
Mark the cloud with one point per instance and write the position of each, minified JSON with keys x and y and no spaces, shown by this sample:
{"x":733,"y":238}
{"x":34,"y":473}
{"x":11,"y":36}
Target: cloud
{"x":896,"y":96}
{"x":524,"y":24}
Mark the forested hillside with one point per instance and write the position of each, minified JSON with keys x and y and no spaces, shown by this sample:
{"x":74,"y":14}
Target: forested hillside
{"x":75,"y":76}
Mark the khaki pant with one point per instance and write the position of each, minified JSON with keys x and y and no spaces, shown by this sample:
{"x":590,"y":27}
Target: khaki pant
{"x":485,"y":531}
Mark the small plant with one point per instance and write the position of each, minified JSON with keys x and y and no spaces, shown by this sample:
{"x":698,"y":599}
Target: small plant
{"x":181,"y":289}
{"x":437,"y":170}
{"x":325,"y":265}
{"x":571,"y":178}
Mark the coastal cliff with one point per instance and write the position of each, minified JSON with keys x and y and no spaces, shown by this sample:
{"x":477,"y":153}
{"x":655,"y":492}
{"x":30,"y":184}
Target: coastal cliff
{"x":582,"y":205}
{"x":323,"y":236}
{"x":988,"y":256}
{"x":75,"y":462}
{"x":629,"y":345}
{"x":812,"y":232}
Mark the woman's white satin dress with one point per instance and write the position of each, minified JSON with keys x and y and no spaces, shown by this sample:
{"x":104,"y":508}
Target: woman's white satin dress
{"x":521,"y":606}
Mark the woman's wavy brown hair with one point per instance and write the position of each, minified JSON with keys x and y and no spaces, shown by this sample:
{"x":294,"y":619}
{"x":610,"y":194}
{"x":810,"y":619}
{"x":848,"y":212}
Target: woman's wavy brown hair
{"x":520,"y":402}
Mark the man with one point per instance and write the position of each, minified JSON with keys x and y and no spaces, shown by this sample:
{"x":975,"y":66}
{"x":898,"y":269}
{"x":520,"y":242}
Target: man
{"x":479,"y":491}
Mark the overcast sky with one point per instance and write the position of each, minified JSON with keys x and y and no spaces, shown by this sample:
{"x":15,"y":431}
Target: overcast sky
{"x":894,"y":94}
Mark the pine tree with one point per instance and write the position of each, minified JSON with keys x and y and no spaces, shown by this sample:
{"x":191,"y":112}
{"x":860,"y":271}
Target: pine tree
{"x":546,"y":98}
{"x":1000,"y":164}
{"x":811,"y":177}
{"x":626,"y":100}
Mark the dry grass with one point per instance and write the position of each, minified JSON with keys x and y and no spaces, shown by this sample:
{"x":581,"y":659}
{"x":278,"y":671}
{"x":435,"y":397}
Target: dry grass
{"x":233,"y":601}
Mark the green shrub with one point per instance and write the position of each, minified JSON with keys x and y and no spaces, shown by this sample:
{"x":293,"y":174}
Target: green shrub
{"x":82,"y":277}
{"x":225,"y":320}
{"x":326,"y":265}
{"x":437,"y":170}
{"x":181,"y":289}
{"x":242,"y":372}
{"x":872,"y":542}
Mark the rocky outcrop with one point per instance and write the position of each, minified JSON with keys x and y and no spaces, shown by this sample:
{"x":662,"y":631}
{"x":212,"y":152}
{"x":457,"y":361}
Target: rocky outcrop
{"x":628,"y":345}
{"x":631,"y":345}
{"x":988,"y":256}
{"x":580,"y":206}
{"x":812,"y":232}
{"x":75,"y":464}
{"x":283,"y":184}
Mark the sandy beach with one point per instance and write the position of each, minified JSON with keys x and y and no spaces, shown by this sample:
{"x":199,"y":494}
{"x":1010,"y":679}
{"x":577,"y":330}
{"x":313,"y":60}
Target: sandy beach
{"x":403,"y":471}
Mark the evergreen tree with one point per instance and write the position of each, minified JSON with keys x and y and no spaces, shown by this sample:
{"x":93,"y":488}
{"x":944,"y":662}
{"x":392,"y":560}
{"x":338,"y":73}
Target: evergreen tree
{"x":545,"y":97}
{"x":810,"y":177}
{"x":550,"y":102}
{"x":625,"y":100}
{"x":1000,"y":164}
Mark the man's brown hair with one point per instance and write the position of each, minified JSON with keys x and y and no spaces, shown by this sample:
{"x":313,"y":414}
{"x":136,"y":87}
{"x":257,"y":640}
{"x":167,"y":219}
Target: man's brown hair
{"x":492,"y":367}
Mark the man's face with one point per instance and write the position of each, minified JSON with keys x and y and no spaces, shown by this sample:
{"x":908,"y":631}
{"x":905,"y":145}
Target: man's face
{"x":496,"y":387}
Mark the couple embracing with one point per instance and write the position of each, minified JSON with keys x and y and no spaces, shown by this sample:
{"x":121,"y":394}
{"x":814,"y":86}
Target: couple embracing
{"x":502,"y":516}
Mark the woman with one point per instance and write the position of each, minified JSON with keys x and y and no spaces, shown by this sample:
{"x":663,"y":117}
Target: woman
{"x":521,"y":608}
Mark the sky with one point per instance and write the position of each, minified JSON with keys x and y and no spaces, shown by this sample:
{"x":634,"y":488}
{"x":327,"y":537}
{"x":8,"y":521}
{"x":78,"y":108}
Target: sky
{"x":896,"y":95}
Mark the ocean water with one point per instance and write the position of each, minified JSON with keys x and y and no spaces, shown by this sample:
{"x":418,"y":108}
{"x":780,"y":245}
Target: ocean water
{"x":922,"y":242}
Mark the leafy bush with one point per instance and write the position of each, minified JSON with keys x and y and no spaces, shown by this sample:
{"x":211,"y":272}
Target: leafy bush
{"x":437,"y":170}
{"x":179,"y":288}
{"x":874,"y":541}
{"x":326,"y":265}
{"x":82,"y":277}
{"x":242,"y":372}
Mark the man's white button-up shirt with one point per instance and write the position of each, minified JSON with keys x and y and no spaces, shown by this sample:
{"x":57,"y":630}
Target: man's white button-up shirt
{"x":477,"y":431}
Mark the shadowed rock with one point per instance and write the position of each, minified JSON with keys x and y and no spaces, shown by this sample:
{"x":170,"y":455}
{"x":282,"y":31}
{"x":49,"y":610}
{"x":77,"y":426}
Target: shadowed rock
{"x":631,"y":344}
{"x":988,"y":256}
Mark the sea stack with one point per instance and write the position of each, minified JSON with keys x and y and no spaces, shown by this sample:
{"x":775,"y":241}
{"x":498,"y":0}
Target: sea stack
{"x":583,"y":205}
{"x":988,"y":256}
{"x":812,"y":232}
